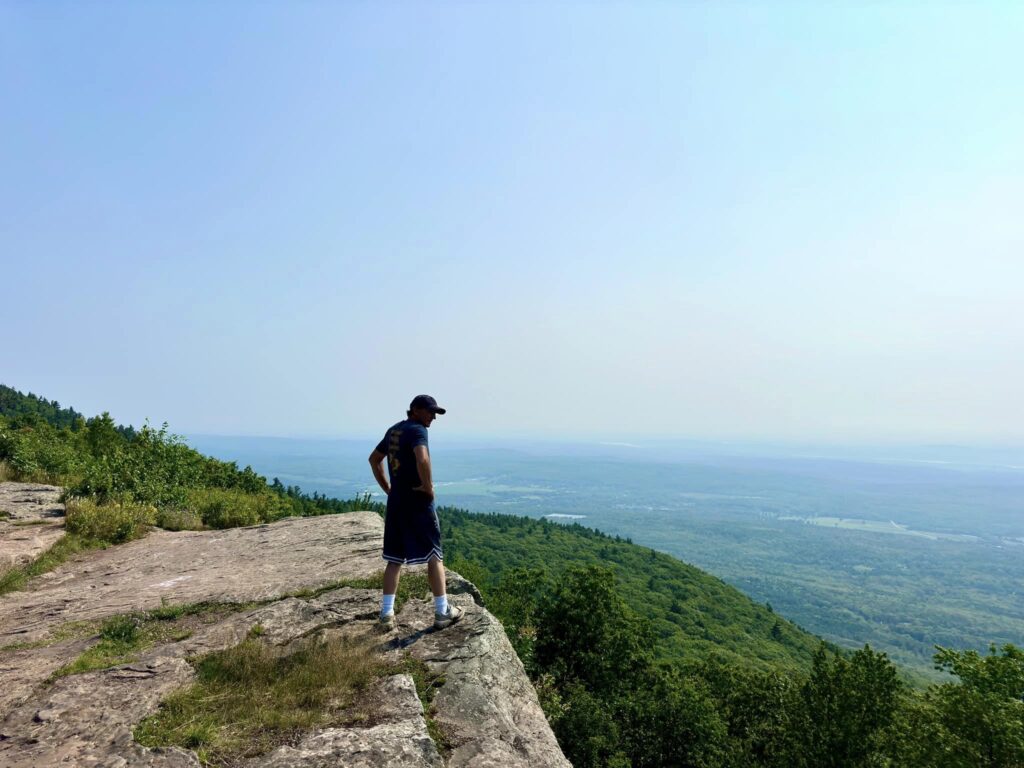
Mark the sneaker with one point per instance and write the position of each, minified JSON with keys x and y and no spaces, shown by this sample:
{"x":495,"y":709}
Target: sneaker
{"x":442,"y":620}
{"x":387,"y":620}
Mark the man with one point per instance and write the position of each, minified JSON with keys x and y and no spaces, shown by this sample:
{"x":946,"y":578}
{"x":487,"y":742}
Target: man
{"x":411,"y":530}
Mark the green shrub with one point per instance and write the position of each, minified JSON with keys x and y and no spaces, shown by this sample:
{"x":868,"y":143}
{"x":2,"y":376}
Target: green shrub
{"x":120,"y":629}
{"x":179,"y":520}
{"x":230,"y":508}
{"x":40,"y":452}
{"x":112,"y":522}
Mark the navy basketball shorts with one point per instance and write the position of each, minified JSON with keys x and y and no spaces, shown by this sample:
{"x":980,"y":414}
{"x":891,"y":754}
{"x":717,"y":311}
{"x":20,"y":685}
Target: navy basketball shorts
{"x":412,"y":533}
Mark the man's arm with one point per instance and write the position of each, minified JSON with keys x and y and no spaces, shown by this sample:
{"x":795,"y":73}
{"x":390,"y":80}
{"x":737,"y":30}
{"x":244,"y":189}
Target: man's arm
{"x":377,"y":465}
{"x":423,"y":467}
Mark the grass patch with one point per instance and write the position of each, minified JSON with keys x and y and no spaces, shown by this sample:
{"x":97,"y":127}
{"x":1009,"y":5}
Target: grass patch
{"x":7,"y":472}
{"x":121,"y":640}
{"x":249,"y":699}
{"x":112,"y":522}
{"x":66,"y":546}
{"x":123,"y":637}
{"x":26,"y":523}
{"x":175,"y":611}
{"x":25,"y":646}
{"x":71,"y":630}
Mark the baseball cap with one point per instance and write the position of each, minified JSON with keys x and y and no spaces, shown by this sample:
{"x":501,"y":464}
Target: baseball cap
{"x":426,"y":401}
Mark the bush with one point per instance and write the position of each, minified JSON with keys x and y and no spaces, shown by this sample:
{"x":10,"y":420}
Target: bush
{"x":224,"y":508}
{"x":112,"y":522}
{"x":120,"y":629}
{"x":179,"y":520}
{"x":39,"y":453}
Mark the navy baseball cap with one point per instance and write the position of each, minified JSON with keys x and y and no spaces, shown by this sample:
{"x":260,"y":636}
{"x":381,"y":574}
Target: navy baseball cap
{"x":426,"y":401}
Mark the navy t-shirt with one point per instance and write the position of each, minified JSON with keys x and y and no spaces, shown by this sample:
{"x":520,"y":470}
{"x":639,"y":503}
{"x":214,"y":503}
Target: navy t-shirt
{"x":398,"y":444}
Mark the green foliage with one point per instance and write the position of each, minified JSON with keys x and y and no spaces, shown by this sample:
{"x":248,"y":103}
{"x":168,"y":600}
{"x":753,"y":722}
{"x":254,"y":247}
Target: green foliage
{"x":588,"y":731}
{"x":17,"y":406}
{"x":178,"y":520}
{"x":844,"y":709}
{"x":39,"y":452}
{"x":99,"y":460}
{"x":112,"y":522}
{"x":616,"y":706}
{"x":587,"y":633}
{"x":719,"y":702}
{"x":758,"y":709}
{"x":976,"y":722}
{"x":231,"y":508}
{"x":120,"y":629}
{"x":102,"y":436}
{"x":670,"y":719}
{"x":155,"y":468}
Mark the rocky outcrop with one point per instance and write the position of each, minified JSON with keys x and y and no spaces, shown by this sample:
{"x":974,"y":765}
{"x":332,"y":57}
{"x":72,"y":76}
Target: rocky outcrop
{"x":486,"y":708}
{"x":31,"y":521}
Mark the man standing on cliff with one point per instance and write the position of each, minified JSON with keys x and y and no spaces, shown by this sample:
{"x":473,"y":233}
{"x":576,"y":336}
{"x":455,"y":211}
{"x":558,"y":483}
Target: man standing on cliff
{"x":412,"y":533}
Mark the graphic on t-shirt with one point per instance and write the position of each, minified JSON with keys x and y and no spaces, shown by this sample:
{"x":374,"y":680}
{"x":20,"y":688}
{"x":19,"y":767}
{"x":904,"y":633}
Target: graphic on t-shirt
{"x":393,"y":437}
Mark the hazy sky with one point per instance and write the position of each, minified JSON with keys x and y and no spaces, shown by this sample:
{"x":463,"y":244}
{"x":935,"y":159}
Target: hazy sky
{"x":727,"y":220}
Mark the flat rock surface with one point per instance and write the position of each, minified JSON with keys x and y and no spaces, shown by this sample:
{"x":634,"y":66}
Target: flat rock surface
{"x":31,"y":521}
{"x":236,"y":565}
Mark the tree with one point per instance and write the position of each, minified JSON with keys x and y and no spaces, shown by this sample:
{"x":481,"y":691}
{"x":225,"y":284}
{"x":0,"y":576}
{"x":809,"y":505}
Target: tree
{"x":102,"y":436}
{"x":844,"y":709}
{"x":758,"y":709}
{"x":980,"y":720}
{"x":586,"y":633}
{"x":669,"y":719}
{"x":588,"y":732}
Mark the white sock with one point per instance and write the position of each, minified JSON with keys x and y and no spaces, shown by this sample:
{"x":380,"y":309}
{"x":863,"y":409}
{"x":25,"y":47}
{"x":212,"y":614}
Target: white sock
{"x":387,"y":605}
{"x":441,"y":605}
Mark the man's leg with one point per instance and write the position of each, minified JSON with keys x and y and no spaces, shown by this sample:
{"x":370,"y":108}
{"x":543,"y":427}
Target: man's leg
{"x":391,"y":573}
{"x":435,"y":575}
{"x":444,"y":614}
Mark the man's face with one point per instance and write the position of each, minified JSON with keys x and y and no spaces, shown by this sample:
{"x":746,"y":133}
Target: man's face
{"x":423,"y":415}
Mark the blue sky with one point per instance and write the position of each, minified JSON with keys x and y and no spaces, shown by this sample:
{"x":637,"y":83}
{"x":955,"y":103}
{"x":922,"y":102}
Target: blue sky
{"x":711,"y":220}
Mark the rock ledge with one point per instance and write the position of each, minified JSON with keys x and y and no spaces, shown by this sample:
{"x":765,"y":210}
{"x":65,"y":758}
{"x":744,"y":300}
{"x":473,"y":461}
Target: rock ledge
{"x":486,"y":707}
